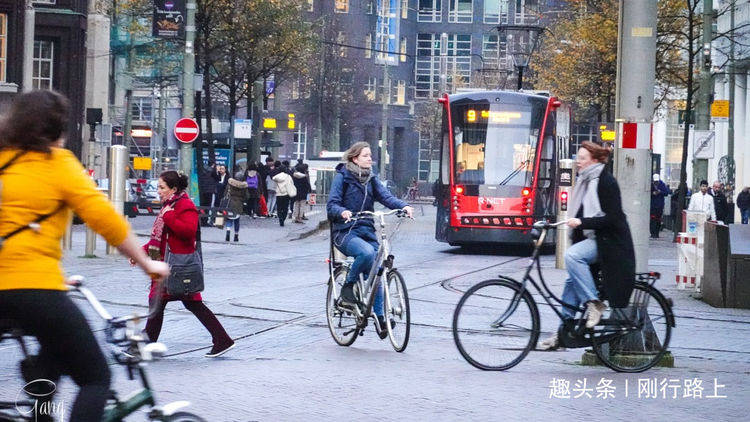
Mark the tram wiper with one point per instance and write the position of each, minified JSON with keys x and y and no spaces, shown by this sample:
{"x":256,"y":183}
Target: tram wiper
{"x":515,"y":172}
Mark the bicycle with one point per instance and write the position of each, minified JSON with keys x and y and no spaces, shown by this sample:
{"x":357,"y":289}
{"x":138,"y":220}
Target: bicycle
{"x":496,"y":322}
{"x":347,"y":323}
{"x":120,"y":332}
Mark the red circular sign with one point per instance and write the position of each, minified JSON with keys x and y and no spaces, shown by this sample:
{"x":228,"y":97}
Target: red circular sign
{"x":186,"y":130}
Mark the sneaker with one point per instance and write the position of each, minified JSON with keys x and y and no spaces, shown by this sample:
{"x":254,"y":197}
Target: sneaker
{"x":594,"y":309}
{"x":236,"y":237}
{"x":227,"y":237}
{"x":549,"y":344}
{"x":131,"y":352}
{"x":346,"y":295}
{"x":217,"y":351}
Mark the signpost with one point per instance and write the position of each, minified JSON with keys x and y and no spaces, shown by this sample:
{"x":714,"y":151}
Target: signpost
{"x":720,"y":110}
{"x":703,"y":143}
{"x":186,"y":130}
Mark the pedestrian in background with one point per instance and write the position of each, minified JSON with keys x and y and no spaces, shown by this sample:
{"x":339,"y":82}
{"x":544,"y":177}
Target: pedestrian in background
{"x":207,"y":183}
{"x":302,"y":185}
{"x":720,"y":202}
{"x":237,"y":195}
{"x":288,"y":168}
{"x":252,"y":178}
{"x":176,"y":228}
{"x":703,"y":201}
{"x":285,"y":190}
{"x":659,"y":191}
{"x":743,"y":203}
{"x":271,"y":190}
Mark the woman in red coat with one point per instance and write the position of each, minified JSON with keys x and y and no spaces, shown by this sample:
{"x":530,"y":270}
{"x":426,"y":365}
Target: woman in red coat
{"x":177,"y":226}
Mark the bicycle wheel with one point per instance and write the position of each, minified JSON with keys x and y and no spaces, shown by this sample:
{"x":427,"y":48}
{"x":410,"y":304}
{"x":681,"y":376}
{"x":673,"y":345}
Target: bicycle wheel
{"x":484,"y":341}
{"x":183,"y":417}
{"x":341,"y":323}
{"x":639,"y":349}
{"x":397,"y":315}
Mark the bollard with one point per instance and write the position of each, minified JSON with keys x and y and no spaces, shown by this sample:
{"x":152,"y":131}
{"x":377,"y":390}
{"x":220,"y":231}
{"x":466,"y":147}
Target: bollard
{"x":67,"y":240}
{"x":91,"y":235}
{"x":118,"y":165}
{"x":565,"y":189}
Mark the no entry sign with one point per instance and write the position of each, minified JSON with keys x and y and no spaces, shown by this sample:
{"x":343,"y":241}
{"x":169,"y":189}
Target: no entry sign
{"x":186,"y":130}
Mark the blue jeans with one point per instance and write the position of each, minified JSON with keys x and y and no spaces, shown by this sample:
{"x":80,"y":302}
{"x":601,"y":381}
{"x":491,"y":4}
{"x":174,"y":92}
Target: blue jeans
{"x":745,"y":215}
{"x":362,"y":244}
{"x":232,"y":222}
{"x":579,"y":287}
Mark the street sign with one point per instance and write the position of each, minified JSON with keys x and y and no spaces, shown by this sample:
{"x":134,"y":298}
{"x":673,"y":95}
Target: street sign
{"x":169,"y":19}
{"x":703,"y":143}
{"x":186,"y":130}
{"x":243,"y":128}
{"x":720,"y":110}
{"x":141,"y":163}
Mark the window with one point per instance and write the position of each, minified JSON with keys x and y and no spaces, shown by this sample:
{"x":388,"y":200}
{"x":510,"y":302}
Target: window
{"x":368,"y":46}
{"x":45,"y":1}
{"x":341,"y":40}
{"x":342,"y":6}
{"x":494,"y":51}
{"x":458,"y":63}
{"x":44,"y":56}
{"x":3,"y":46}
{"x":429,"y":158}
{"x":461,"y":11}
{"x":400,"y":93}
{"x":404,"y":9}
{"x":430,"y":11}
{"x":310,"y":5}
{"x":141,"y":108}
{"x":295,"y":90}
{"x":370,"y":88}
{"x":402,"y":49}
{"x":495,"y":11}
{"x":370,"y":7}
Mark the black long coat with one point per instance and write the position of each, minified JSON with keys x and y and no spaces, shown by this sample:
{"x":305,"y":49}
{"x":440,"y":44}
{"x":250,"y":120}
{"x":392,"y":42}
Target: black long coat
{"x":613,"y":240}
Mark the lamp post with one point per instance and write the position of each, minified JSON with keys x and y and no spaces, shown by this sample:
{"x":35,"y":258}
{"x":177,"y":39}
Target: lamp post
{"x":521,"y":40}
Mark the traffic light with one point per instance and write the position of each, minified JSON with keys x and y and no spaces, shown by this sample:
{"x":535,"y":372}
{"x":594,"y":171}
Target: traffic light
{"x":563,"y":201}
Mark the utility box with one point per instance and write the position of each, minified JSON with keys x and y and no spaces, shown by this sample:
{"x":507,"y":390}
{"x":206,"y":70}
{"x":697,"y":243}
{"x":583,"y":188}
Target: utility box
{"x":727,"y":264}
{"x":715,"y":264}
{"x":738,"y":283}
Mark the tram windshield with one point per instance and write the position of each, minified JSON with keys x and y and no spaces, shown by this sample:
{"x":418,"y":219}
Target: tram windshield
{"x":495,"y":141}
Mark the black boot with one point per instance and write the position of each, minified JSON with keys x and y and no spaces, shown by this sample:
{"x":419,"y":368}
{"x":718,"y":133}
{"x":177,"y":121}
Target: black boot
{"x":227,"y":237}
{"x":236,"y":237}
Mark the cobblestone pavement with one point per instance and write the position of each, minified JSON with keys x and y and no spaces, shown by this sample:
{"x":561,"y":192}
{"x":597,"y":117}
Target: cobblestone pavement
{"x":269,"y":292}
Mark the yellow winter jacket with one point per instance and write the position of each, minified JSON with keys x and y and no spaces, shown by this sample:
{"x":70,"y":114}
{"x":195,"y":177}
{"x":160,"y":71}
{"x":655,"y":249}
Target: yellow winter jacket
{"x":34,"y":185}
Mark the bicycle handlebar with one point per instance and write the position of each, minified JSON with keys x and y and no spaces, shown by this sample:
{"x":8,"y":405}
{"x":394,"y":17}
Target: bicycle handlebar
{"x":544,"y":225}
{"x":366,"y":214}
{"x":75,"y":284}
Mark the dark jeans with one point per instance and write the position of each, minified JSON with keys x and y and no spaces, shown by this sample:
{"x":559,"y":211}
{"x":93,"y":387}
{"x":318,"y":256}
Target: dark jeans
{"x":219,"y":336}
{"x":253,"y":206}
{"x":745,"y":215}
{"x":282,"y":206}
{"x":655,"y":223}
{"x":67,"y":345}
{"x":361,"y":243}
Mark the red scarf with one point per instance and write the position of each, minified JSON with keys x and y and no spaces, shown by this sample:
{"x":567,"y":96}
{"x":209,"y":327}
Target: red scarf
{"x":158,"y":234}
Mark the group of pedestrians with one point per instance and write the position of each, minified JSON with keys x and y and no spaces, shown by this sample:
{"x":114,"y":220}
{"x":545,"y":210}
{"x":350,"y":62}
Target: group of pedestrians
{"x":274,"y":189}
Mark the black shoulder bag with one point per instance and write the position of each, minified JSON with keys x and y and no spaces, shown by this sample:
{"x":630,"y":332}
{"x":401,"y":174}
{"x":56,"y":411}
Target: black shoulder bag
{"x":186,"y":270}
{"x":33,"y":225}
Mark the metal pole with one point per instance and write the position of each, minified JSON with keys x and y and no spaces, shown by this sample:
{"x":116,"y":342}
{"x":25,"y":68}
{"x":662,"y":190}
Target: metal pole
{"x":565,"y":184}
{"x":118,"y":159}
{"x":29,"y":18}
{"x":67,"y":240}
{"x":705,"y":89}
{"x":188,"y":89}
{"x":520,"y":78}
{"x":443,"y":63}
{"x":730,"y":130}
{"x":635,"y":94}
{"x":384,"y":127}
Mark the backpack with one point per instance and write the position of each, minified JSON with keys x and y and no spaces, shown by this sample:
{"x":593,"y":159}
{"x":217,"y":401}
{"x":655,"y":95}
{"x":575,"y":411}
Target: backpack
{"x":34,"y":225}
{"x":252,"y":182}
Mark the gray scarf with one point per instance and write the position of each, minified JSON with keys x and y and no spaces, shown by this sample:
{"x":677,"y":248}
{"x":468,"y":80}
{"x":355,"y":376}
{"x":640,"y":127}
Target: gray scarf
{"x":361,"y":174}
{"x":584,"y":193}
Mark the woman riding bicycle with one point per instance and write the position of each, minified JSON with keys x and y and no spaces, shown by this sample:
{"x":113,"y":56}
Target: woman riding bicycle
{"x":40,"y":178}
{"x":600,"y":234}
{"x":356,"y":188}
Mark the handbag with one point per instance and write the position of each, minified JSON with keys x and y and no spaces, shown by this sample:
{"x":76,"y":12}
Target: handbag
{"x":186,"y":271}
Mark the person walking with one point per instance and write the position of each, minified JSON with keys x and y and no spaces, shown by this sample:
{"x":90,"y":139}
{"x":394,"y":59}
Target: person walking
{"x":302,"y":185}
{"x":176,"y":228}
{"x":252,"y":178}
{"x":288,"y":168}
{"x":271,"y":190}
{"x":703,"y":201}
{"x":600,"y":234}
{"x":743,"y":203}
{"x":659,"y":191}
{"x":285,"y":190}
{"x":40,"y":184}
{"x":237,"y":195}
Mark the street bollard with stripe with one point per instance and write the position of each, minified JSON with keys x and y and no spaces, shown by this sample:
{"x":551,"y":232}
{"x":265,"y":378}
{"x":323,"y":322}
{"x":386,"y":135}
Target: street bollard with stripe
{"x":118,"y":165}
{"x":565,"y":189}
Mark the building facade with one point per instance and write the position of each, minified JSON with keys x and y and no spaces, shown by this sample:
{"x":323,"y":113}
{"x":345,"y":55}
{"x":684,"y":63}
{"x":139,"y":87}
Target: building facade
{"x":58,"y":56}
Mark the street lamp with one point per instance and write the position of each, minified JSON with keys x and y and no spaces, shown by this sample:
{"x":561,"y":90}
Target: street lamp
{"x":521,"y":40}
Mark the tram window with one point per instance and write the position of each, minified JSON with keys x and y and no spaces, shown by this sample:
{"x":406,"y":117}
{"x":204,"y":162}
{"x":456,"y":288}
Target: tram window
{"x":445,"y":152}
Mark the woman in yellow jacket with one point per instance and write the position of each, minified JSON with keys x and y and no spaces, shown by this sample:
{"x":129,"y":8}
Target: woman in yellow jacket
{"x":39,"y":178}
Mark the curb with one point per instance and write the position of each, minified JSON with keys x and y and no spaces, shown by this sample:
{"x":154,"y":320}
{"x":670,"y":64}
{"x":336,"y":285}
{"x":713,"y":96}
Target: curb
{"x":322,"y":225}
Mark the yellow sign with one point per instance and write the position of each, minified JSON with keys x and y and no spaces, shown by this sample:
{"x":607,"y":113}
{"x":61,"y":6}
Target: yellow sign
{"x":607,"y":135}
{"x":142,"y":163}
{"x":290,"y":124}
{"x":720,"y":108}
{"x":269,"y":123}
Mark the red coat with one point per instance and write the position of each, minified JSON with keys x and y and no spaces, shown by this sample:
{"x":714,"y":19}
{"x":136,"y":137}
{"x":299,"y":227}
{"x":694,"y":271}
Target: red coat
{"x":180,"y":225}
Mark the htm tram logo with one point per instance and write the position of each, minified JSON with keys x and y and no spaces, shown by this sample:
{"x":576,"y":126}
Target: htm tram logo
{"x":483,"y":200}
